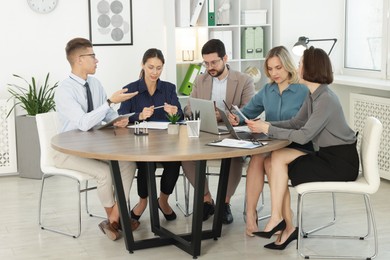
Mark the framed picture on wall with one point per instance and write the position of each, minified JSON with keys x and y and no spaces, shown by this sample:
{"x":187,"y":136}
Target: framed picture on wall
{"x":110,"y":22}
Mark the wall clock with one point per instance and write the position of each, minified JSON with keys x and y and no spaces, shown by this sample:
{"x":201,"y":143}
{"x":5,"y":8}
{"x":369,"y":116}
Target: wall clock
{"x":42,"y":6}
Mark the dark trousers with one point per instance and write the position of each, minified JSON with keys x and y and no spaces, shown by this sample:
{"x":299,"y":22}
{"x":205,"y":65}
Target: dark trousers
{"x":168,"y":179}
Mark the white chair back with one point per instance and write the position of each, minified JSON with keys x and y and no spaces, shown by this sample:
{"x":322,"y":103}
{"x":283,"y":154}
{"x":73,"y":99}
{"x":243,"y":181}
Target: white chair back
{"x":48,"y":125}
{"x":369,"y":149}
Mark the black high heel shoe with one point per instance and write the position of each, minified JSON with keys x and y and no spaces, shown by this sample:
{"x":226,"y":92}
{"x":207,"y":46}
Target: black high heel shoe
{"x":269,"y":234}
{"x":133,"y":215}
{"x":292,"y":237}
{"x":168,"y":217}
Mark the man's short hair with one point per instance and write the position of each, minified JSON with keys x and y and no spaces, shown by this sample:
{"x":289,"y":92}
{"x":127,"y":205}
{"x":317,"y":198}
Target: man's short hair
{"x":74,"y":46}
{"x":212,"y":46}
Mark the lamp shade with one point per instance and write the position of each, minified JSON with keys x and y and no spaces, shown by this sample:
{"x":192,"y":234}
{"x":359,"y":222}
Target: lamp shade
{"x":300,"y":46}
{"x":302,"y":42}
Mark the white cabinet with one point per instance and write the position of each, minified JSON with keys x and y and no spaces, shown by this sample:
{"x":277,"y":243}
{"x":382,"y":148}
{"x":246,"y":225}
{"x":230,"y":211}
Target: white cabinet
{"x":187,"y":37}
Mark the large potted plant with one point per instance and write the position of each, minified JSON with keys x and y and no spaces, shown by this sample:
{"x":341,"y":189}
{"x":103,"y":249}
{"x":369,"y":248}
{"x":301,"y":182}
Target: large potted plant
{"x":34,"y":99}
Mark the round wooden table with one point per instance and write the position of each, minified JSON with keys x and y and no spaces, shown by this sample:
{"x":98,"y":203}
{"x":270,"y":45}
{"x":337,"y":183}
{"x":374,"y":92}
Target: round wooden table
{"x":120,"y":144}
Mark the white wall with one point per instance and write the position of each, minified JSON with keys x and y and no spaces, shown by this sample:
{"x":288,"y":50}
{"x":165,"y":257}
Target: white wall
{"x":315,"y":19}
{"x":33,"y":44}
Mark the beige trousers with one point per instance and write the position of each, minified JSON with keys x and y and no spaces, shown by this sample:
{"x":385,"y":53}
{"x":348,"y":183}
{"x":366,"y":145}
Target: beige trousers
{"x":100,"y":170}
{"x":234,"y":175}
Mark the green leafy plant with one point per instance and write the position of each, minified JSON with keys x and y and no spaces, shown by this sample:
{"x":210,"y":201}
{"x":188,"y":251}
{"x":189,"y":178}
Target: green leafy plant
{"x":33,"y":99}
{"x":173,"y":118}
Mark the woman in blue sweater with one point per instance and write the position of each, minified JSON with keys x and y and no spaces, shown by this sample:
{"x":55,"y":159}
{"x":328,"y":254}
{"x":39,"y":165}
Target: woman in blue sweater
{"x":153,"y":92}
{"x":280,"y":99}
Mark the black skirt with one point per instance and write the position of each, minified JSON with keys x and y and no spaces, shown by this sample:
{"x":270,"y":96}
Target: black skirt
{"x":333,"y":163}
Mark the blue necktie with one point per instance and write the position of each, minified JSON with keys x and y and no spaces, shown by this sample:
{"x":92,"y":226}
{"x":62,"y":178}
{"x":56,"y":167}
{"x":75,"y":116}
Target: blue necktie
{"x":89,"y":97}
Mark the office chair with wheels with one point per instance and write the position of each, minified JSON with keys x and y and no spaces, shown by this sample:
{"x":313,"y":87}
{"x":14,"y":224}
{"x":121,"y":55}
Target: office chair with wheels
{"x":367,"y":183}
{"x":48,"y":126}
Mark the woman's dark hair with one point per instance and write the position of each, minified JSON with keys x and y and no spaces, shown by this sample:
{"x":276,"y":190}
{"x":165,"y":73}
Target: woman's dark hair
{"x":151,"y":53}
{"x":214,"y":45}
{"x":317,"y":66}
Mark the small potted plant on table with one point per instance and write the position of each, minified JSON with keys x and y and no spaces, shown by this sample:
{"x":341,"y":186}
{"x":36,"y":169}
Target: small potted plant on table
{"x":173,"y":126}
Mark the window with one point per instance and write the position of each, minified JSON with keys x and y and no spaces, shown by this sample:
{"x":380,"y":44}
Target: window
{"x":366,"y":38}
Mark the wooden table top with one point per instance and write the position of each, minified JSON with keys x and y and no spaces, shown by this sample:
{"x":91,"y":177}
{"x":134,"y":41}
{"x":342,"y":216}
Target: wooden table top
{"x":121,"y":144}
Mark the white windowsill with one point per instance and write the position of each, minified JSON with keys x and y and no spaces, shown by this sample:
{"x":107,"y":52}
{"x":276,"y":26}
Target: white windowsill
{"x":362,"y":82}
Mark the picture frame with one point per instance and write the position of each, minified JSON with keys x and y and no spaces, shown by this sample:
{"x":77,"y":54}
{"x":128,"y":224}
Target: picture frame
{"x":110,"y":22}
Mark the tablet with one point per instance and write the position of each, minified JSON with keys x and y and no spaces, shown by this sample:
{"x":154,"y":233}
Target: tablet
{"x":111,"y":123}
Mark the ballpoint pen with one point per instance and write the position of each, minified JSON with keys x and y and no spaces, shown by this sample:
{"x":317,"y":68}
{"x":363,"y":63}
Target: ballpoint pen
{"x":159,"y":107}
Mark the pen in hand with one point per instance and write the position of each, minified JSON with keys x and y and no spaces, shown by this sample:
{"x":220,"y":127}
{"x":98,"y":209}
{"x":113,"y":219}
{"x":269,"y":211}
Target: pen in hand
{"x":159,"y":107}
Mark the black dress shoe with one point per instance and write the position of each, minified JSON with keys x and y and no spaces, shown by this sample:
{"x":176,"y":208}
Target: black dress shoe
{"x":168,"y":217}
{"x":133,"y":215}
{"x":269,"y":234}
{"x":292,"y":237}
{"x":227,"y":214}
{"x":208,"y":209}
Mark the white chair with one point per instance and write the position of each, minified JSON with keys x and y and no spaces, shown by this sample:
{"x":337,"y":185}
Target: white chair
{"x":367,"y":183}
{"x":48,"y":126}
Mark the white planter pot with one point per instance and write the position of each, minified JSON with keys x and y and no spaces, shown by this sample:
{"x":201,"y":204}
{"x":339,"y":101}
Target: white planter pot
{"x":173,"y":129}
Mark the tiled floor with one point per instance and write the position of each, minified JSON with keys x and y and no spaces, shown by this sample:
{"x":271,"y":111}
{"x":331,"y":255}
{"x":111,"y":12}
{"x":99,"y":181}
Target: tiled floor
{"x":21,"y":238}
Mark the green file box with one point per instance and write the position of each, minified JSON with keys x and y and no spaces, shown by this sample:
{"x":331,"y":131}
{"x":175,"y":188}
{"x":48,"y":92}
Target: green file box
{"x":248,"y":43}
{"x":259,"y":43}
{"x":211,"y":13}
{"x":192,"y":72}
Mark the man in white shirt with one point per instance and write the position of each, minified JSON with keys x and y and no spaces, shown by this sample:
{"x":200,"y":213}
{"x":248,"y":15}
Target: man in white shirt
{"x":81,"y":103}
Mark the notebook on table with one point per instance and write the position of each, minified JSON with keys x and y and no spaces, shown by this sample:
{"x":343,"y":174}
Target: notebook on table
{"x":208,"y":122}
{"x":242,"y":135}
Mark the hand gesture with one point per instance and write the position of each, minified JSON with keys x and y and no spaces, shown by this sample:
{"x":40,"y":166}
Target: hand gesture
{"x":233,"y":119}
{"x":146,"y":113}
{"x":170,"y":109}
{"x":258,"y":126}
{"x":121,"y":95}
{"x":122,"y":123}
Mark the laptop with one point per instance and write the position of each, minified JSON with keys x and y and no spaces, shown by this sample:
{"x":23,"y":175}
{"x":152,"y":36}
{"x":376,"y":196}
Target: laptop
{"x":208,"y":122}
{"x":242,"y":135}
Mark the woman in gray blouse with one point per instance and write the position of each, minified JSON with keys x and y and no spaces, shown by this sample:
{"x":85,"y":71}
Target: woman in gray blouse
{"x":320,"y":119}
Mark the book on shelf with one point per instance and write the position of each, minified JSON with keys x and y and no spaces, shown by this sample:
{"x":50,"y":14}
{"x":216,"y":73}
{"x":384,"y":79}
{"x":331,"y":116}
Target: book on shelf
{"x":196,"y":13}
{"x":211,"y":13}
{"x":226,"y":36}
{"x":183,"y":13}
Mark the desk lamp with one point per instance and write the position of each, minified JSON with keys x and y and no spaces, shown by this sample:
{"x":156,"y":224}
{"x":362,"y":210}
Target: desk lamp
{"x":301,"y":45}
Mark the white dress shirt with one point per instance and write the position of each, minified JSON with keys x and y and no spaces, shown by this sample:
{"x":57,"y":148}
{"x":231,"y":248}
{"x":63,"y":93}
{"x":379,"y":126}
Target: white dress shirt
{"x":71,"y":104}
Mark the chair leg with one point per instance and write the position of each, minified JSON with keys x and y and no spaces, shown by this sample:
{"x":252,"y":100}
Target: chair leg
{"x":56,"y":230}
{"x":86,"y":189}
{"x":371,"y":225}
{"x":186,"y":185}
{"x":332,"y":222}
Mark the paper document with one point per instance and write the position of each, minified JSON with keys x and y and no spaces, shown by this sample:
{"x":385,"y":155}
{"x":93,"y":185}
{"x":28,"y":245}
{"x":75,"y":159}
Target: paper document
{"x":239,"y":111}
{"x":235,"y":143}
{"x":151,"y":125}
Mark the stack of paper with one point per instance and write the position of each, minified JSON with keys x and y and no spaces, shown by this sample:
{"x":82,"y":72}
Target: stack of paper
{"x":235,"y":143}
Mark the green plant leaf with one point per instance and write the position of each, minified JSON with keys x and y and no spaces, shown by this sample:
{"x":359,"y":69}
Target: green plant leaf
{"x":173,"y":118}
{"x":33,"y":99}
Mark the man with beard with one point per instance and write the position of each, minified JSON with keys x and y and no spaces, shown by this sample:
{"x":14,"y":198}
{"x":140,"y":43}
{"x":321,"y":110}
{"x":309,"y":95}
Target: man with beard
{"x":218,"y":84}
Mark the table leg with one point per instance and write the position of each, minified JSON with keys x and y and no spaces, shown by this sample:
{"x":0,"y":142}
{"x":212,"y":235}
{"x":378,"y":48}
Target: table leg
{"x":221,"y":195}
{"x":122,"y":205}
{"x":197,"y":216}
{"x":152,"y":193}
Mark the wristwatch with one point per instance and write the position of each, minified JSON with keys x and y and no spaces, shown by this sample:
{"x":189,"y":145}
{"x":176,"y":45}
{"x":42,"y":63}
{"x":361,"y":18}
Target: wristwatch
{"x":110,"y":104}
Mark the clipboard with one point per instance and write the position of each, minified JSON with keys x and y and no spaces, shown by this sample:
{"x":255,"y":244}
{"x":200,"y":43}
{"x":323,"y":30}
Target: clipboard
{"x":111,"y":123}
